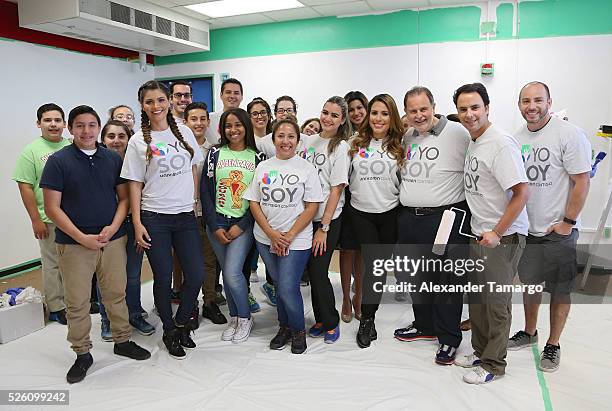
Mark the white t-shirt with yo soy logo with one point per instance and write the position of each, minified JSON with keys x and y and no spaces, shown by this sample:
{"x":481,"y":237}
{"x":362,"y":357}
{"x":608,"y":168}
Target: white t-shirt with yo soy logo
{"x":281,"y":187}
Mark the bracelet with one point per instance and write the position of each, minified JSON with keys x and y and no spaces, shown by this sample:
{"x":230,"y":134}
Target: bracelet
{"x":497,"y":233}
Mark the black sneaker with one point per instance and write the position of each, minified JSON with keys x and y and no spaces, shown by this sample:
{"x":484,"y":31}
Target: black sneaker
{"x":219,"y":298}
{"x":281,"y":339}
{"x":213,"y":313}
{"x":175,"y":297}
{"x":185,"y":336}
{"x":411,"y":333}
{"x":366,"y":333}
{"x":172,"y":341}
{"x":78,"y":371}
{"x":305,"y":281}
{"x":298,"y":342}
{"x":131,"y":350}
{"x":58,"y":316}
{"x":194,"y":319}
{"x":94,"y":308}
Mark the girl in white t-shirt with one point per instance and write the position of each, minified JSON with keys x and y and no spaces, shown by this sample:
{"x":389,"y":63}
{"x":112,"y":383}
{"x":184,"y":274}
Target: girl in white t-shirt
{"x":161,"y":164}
{"x":284,"y":197}
{"x":328,"y":152}
{"x":351,"y":262}
{"x":311,"y":126}
{"x":376,"y":156}
{"x":261,"y":119}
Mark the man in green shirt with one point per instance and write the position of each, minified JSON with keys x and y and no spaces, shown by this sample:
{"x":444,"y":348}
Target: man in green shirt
{"x":28,"y":171}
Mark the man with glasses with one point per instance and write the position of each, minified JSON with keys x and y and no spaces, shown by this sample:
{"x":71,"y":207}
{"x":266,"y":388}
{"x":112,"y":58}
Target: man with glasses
{"x":180,"y":97}
{"x":125,"y":114}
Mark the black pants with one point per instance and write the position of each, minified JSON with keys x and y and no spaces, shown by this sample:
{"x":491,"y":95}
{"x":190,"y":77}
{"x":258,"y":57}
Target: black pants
{"x":323,"y":300}
{"x":434,"y":313}
{"x":377,"y":235}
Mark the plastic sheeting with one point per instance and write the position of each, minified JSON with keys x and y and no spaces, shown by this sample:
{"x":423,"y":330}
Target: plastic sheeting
{"x":390,"y":375}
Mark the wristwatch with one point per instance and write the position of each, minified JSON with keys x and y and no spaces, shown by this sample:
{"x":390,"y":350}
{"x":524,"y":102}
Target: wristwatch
{"x":569,"y":221}
{"x":325,"y":227}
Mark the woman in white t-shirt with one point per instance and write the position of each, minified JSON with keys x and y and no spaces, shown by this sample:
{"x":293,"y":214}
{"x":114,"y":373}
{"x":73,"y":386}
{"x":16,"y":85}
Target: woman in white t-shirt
{"x":351,"y":262}
{"x":161,"y":164}
{"x":261,"y":119}
{"x":328,"y":152}
{"x":376,"y":156}
{"x":311,"y":126}
{"x":284,"y":197}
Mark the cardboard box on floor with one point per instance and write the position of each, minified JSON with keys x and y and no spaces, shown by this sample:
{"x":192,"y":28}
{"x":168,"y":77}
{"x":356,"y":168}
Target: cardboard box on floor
{"x":19,"y":320}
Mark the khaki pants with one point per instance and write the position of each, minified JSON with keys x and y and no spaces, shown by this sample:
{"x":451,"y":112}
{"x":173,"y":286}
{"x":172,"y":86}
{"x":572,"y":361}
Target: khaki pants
{"x":78,"y":265}
{"x":52,"y":277}
{"x":210,"y":266}
{"x":491,"y":312}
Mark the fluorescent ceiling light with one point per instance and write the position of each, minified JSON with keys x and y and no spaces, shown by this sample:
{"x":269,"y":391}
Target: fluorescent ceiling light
{"x":225,"y":8}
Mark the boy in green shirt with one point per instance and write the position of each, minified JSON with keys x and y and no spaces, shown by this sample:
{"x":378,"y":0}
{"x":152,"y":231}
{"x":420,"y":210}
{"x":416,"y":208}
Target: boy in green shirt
{"x":28,"y":171}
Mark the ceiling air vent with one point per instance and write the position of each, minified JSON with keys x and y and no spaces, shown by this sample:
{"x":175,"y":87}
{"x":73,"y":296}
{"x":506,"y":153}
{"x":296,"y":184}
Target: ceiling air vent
{"x":120,"y":13}
{"x":163,"y":26}
{"x":117,"y":24}
{"x":143,"y":20}
{"x":181,"y":31}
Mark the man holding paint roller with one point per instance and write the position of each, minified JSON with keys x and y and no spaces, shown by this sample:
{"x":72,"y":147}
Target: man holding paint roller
{"x":557,"y":158}
{"x":432,"y":181}
{"x":496,"y":191}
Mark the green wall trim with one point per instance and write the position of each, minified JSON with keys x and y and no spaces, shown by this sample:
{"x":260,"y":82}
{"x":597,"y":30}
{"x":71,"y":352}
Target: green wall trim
{"x":547,"y":18}
{"x":557,"y":18}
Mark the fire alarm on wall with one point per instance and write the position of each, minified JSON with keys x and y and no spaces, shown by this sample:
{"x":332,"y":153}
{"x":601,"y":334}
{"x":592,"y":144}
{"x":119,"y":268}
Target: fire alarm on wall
{"x":486,"y":69}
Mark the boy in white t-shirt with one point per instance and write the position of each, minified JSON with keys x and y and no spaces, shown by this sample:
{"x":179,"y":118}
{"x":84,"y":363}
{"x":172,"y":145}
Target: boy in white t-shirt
{"x":558,"y":164}
{"x":496,"y":191}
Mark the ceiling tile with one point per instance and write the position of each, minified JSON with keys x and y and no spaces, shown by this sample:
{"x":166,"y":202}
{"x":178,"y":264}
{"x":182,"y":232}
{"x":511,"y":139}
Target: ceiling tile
{"x":292,"y":14}
{"x":164,"y":3}
{"x":190,"y":2}
{"x":320,"y":2}
{"x":397,"y":4}
{"x":246,"y":20}
{"x":342,"y":9}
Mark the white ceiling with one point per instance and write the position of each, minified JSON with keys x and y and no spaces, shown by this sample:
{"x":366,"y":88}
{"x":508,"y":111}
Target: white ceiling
{"x":312,"y":9}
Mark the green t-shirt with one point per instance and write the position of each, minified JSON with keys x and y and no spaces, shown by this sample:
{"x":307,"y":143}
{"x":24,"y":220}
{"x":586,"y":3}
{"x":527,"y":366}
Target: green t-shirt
{"x":30,"y":166}
{"x":234,"y":172}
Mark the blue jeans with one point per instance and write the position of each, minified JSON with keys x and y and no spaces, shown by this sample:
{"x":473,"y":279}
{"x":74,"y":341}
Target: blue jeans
{"x":134,"y":264}
{"x":236,"y":286}
{"x":178,"y":231}
{"x":287,"y":273}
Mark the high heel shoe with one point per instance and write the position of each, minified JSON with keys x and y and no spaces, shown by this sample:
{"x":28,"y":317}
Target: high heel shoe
{"x":357,"y":309}
{"x":347,"y":318}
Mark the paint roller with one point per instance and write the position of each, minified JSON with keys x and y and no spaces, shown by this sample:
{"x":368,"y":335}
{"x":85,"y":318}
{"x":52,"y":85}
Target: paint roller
{"x":445,"y":228}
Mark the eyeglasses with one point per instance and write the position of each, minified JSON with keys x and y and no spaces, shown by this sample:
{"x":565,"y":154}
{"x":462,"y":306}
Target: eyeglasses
{"x":123,"y":117}
{"x":262,"y":113}
{"x":285,"y":110}
{"x":179,"y":96}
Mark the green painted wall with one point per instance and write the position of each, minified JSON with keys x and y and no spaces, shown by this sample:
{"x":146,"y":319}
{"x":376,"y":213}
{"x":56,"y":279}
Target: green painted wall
{"x":549,"y":18}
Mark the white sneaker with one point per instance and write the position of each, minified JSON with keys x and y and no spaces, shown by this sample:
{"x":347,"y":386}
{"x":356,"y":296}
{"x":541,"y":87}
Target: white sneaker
{"x":229,"y":332}
{"x":254,"y":277}
{"x":468,"y":361}
{"x":479,"y":375}
{"x":243,"y":330}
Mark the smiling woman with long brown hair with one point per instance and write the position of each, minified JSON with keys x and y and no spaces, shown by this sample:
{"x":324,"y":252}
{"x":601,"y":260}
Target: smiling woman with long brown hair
{"x":376,"y":156}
